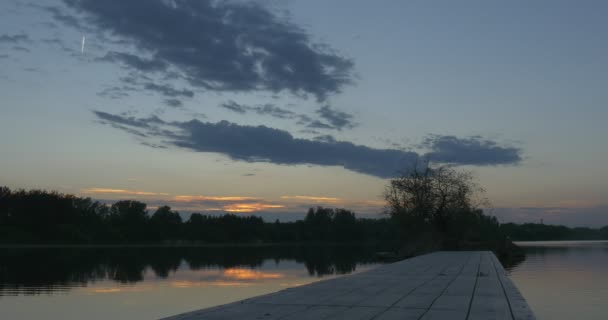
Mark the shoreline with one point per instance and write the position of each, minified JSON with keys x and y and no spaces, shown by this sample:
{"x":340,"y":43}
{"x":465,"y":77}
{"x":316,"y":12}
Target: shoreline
{"x":193,"y":245}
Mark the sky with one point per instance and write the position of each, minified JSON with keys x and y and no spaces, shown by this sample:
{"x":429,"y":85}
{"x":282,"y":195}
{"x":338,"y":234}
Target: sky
{"x":271,"y":107}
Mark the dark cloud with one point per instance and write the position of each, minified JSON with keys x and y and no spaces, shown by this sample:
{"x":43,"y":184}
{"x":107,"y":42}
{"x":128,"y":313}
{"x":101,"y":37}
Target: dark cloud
{"x":473,"y":150}
{"x":174,"y":103}
{"x":235,"y":107}
{"x":337,"y":119}
{"x":64,"y":18}
{"x":59,"y":44}
{"x":32,"y":69}
{"x":4,"y":56}
{"x":22,"y":49}
{"x":168,"y":90}
{"x":133,"y":83}
{"x":274,"y":111}
{"x":325,"y":138}
{"x":266,"y":109}
{"x":264,"y":144}
{"x":116,"y":92}
{"x":218,"y":45}
{"x":14,"y":39}
{"x":146,"y":123}
{"x":154,"y":145}
{"x":319,"y":125}
{"x":135,"y":62}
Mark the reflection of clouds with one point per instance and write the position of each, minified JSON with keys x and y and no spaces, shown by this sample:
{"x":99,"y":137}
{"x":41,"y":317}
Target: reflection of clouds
{"x":232,"y":277}
{"x":248,"y":274}
{"x":108,"y":289}
{"x":289,"y":274}
{"x":201,"y":284}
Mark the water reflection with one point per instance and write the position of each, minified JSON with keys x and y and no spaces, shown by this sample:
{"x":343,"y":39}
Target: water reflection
{"x":54,"y":270}
{"x":564,"y":279}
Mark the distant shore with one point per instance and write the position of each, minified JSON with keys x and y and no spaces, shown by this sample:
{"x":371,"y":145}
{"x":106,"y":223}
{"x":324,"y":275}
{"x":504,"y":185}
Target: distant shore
{"x":204,"y":245}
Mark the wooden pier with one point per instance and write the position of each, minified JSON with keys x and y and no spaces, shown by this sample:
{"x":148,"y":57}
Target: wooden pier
{"x":441,"y":285}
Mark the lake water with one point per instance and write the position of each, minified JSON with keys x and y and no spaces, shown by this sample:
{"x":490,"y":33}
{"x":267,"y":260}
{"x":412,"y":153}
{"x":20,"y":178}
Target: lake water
{"x":150,"y":283}
{"x":564,"y":280}
{"x":560,"y":280}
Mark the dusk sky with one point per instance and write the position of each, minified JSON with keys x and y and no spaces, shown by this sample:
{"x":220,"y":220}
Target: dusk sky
{"x":270,"y":107}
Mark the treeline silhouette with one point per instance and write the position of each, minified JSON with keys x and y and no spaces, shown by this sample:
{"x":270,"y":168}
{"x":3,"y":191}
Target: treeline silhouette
{"x":543,"y":232}
{"x":65,"y":268}
{"x":39,"y":216}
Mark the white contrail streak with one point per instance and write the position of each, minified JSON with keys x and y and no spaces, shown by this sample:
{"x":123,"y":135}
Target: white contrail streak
{"x":82,"y":45}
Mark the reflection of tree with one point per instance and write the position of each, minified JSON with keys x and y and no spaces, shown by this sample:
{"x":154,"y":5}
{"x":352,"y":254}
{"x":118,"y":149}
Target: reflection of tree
{"x":511,"y":262}
{"x":38,"y":270}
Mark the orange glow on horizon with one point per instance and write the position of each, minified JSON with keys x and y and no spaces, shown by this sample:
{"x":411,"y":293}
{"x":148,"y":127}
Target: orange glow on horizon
{"x":250,"y":207}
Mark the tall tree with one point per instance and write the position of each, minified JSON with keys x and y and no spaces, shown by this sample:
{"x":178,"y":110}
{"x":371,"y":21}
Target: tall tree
{"x":433,"y":198}
{"x":129,"y":218}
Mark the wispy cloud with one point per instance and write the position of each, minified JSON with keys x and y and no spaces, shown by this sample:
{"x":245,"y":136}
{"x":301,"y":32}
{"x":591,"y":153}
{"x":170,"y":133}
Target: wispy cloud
{"x":311,"y":198}
{"x":121,"y":192}
{"x":335,"y":120}
{"x":14,"y":38}
{"x":250,"y":207}
{"x":188,"y":198}
{"x":283,"y":205}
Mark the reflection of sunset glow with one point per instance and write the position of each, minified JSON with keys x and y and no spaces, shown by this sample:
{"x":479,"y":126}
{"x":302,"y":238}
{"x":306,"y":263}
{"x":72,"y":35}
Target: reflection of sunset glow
{"x":137,"y":288}
{"x":122,"y":192}
{"x":250,"y":207}
{"x":184,"y":284}
{"x":311,"y":198}
{"x":246,"y":274}
{"x":106,"y":290}
{"x":185,"y":198}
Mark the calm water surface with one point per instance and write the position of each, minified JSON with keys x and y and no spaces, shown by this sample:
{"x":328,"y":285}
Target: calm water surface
{"x":564,"y":280}
{"x":560,"y":280}
{"x":149,"y":283}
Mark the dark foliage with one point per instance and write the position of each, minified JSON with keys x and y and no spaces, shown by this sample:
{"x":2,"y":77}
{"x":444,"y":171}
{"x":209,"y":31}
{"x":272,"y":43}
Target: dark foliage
{"x":37,"y":216}
{"x":437,"y":208}
{"x":542,"y":232}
